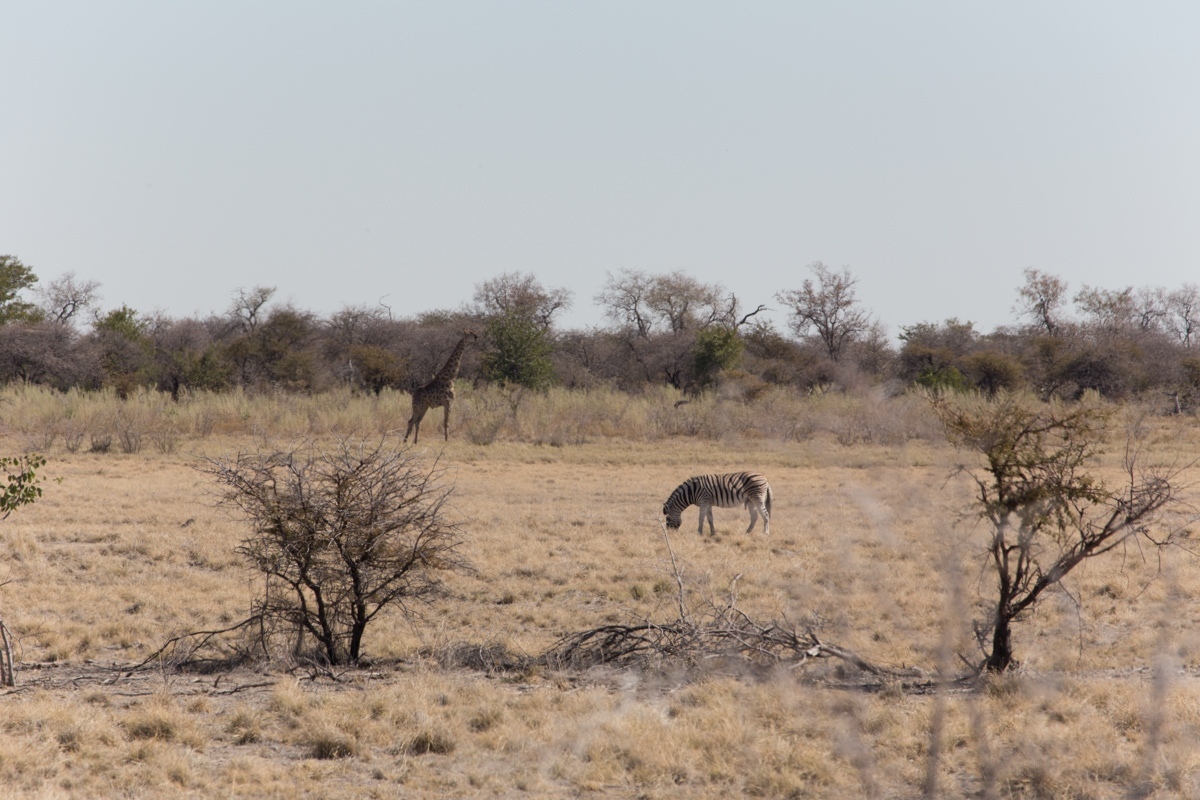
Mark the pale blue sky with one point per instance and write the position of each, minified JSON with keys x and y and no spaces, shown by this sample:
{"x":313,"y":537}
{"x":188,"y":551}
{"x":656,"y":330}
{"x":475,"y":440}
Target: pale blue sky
{"x":407,"y":151}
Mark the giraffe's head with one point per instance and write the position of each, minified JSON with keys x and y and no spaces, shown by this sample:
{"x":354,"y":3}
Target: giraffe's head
{"x":468,"y":333}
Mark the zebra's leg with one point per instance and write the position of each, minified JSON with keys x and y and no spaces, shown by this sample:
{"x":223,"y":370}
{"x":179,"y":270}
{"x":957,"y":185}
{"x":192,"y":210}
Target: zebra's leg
{"x":703,"y":510}
{"x":753,"y":515}
{"x":711,"y":528}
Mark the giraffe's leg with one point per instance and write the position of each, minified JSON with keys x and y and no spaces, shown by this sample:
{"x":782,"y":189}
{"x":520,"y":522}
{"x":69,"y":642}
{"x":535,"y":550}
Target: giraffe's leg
{"x":446,"y":421}
{"x":414,"y":423}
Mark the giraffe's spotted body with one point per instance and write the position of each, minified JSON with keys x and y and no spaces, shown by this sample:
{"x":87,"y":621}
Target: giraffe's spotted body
{"x":438,"y":392}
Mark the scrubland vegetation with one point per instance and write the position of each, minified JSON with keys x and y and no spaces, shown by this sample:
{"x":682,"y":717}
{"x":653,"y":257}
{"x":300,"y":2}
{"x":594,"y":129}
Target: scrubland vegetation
{"x":1127,"y":343}
{"x":875,"y":547}
{"x":1010,"y":616}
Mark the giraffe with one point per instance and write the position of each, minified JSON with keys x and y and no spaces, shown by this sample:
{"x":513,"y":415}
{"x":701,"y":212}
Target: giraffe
{"x":438,"y":392}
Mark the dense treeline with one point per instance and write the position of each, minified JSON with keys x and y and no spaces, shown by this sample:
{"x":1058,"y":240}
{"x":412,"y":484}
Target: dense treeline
{"x":660,"y":329}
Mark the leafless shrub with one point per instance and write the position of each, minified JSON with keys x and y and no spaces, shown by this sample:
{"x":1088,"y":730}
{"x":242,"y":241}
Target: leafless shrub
{"x":341,"y":532}
{"x":166,"y":440}
{"x":73,"y":432}
{"x":130,"y":433}
{"x":698,"y":418}
{"x":41,"y":439}
{"x":486,"y":413}
{"x":205,"y":422}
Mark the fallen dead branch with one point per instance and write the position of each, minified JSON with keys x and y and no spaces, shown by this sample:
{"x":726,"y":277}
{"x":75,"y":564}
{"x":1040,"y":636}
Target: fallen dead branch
{"x":210,"y":651}
{"x":718,"y":633}
{"x":722,"y":634}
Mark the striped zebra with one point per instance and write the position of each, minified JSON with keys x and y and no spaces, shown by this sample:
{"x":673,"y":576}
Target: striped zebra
{"x":747,"y":489}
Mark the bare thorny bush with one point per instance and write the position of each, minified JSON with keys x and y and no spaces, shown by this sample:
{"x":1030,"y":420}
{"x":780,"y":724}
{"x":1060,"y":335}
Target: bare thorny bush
{"x":340,"y":533}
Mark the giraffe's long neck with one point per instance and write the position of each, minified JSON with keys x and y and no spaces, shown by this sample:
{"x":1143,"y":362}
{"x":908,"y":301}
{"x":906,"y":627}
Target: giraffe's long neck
{"x":448,"y":371}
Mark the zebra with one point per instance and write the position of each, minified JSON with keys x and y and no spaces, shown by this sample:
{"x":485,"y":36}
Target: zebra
{"x":747,"y":489}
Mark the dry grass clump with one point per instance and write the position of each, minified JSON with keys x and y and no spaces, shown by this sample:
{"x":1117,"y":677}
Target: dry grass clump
{"x":324,"y":741}
{"x":289,"y":700}
{"x":161,"y":718}
{"x":245,"y":726}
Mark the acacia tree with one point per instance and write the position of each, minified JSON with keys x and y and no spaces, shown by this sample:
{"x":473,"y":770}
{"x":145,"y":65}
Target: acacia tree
{"x":1041,"y":299}
{"x":660,"y":319}
{"x":341,"y":533}
{"x":624,"y":301}
{"x":674,"y":303}
{"x":247,"y":307}
{"x":1183,"y":313}
{"x":1046,"y":509}
{"x":186,"y":356}
{"x":684,"y":303}
{"x":64,"y":298}
{"x":829,"y":307}
{"x":520,"y":296}
{"x":1109,"y":310}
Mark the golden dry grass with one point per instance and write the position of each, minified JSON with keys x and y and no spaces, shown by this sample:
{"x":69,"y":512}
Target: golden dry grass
{"x":126,"y":550}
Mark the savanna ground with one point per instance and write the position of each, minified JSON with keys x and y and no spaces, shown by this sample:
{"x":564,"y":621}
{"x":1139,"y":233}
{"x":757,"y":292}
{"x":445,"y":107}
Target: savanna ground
{"x":561,"y":499}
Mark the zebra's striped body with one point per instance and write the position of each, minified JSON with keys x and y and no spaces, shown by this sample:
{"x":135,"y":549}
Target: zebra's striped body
{"x":747,"y":489}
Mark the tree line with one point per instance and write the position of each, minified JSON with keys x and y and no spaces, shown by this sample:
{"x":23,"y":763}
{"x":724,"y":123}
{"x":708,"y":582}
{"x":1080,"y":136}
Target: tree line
{"x":659,"y":328}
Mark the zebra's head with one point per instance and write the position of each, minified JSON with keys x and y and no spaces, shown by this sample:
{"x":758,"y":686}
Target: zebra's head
{"x":673,"y":515}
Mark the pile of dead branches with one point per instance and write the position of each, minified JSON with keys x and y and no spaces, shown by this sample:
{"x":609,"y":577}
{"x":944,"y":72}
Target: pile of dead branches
{"x":720,"y":634}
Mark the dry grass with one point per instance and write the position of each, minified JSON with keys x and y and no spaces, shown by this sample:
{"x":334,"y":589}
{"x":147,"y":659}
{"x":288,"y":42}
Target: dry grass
{"x":45,"y":420}
{"x":125,"y":550}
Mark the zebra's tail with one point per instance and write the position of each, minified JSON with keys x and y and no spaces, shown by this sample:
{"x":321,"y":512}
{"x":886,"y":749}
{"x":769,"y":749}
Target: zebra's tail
{"x":767,"y":503}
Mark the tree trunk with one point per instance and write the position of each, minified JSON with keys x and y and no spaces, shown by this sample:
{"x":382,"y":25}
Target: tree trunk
{"x":8,"y":670}
{"x":1001,"y":657}
{"x":356,"y":634}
